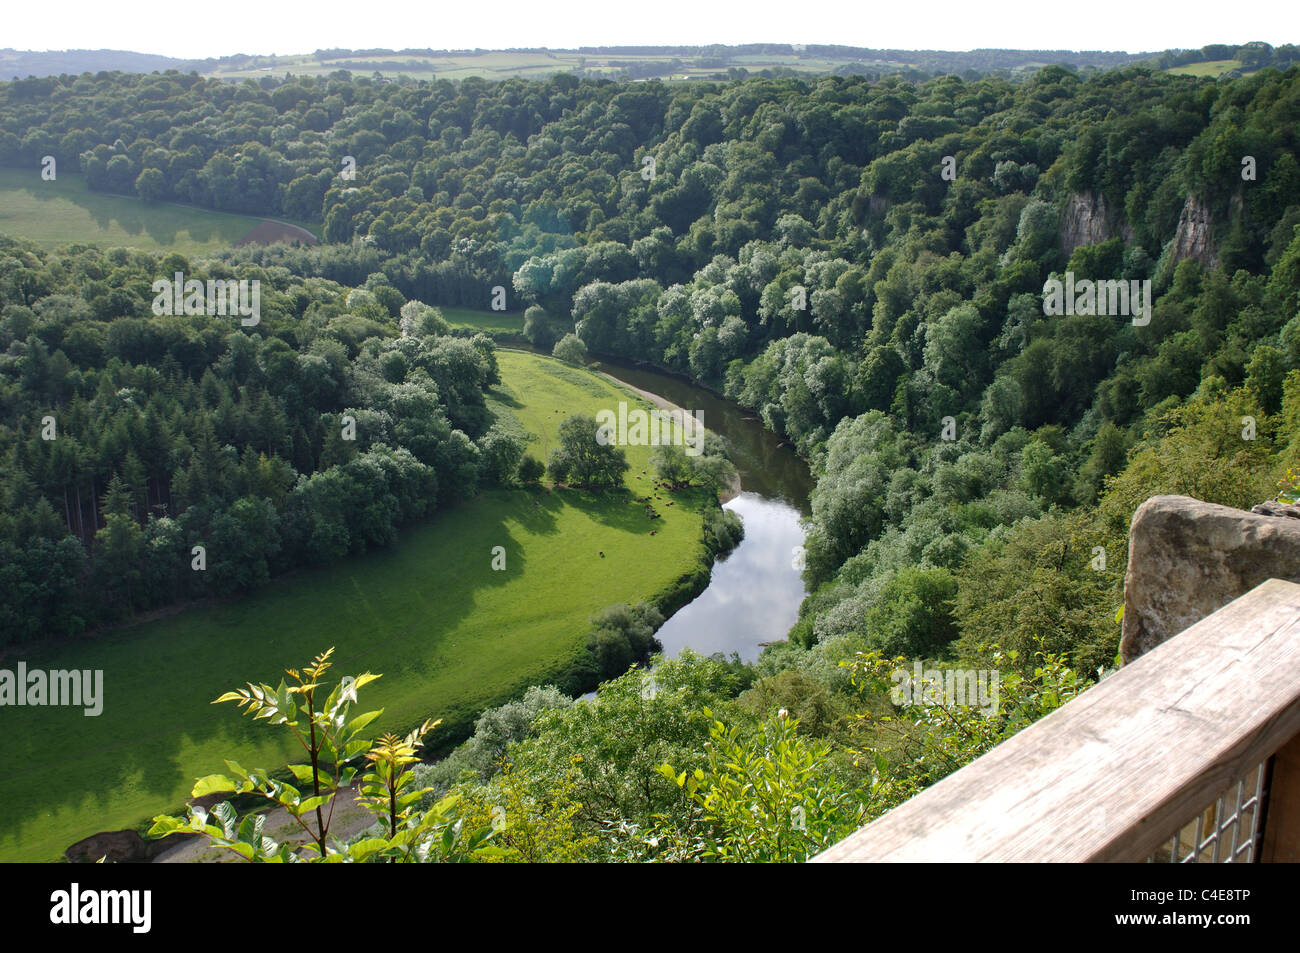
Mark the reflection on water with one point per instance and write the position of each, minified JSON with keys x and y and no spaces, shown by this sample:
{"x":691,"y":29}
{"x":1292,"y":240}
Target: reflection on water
{"x":768,"y":466}
{"x":755,"y":592}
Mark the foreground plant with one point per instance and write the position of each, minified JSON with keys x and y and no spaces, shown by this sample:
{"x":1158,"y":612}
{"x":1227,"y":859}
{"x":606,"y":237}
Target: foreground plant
{"x":331,"y":739}
{"x":533,"y":821}
{"x":1288,"y":488}
{"x":913,"y":745}
{"x":770,"y":798}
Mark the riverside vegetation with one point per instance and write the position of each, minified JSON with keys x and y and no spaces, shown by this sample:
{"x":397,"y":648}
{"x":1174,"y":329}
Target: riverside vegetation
{"x":803,"y":246}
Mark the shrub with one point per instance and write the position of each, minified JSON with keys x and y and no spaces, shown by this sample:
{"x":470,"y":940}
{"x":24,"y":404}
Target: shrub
{"x":571,"y":350}
{"x":914,"y":615}
{"x":530,"y":469}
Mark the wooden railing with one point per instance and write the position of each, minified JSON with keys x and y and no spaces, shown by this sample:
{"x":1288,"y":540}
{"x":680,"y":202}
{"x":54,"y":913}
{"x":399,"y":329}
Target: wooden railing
{"x":1189,"y":753}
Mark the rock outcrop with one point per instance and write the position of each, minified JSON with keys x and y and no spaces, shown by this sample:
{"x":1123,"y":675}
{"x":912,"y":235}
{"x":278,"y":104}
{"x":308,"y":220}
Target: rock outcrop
{"x":116,"y":847}
{"x":1089,"y":219}
{"x":1188,"y":559}
{"x":1192,"y":240}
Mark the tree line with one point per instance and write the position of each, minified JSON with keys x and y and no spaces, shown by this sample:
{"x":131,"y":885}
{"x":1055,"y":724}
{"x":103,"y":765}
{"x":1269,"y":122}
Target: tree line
{"x":132,"y":439}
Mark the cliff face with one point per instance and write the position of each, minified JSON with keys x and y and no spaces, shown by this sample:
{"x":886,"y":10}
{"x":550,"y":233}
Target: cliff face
{"x":1089,"y":219}
{"x":1192,"y":240}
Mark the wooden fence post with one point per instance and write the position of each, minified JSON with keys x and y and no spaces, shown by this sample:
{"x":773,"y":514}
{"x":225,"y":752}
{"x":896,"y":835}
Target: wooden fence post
{"x":1282,"y":822}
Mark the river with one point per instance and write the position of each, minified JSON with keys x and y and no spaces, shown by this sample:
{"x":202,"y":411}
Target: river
{"x":754,"y":593}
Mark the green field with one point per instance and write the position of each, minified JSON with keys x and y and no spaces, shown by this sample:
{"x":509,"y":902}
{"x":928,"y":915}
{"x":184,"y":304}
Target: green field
{"x":1208,"y":68}
{"x":490,"y":322}
{"x":450,"y":635}
{"x":66,"y":211}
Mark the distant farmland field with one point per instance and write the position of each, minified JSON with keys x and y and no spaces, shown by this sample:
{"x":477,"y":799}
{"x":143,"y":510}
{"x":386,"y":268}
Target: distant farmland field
{"x":66,"y":210}
{"x":503,"y":64}
{"x":1208,"y":68}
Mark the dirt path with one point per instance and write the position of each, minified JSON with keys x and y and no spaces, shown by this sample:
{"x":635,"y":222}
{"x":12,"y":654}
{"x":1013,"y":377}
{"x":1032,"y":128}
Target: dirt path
{"x":732,"y":491}
{"x":350,"y":819}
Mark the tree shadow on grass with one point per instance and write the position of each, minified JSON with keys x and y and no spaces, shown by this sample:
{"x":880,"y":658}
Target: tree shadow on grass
{"x":161,"y":222}
{"x":390,"y":610}
{"x":624,"y":509}
{"x":160,"y":677}
{"x":539,"y":512}
{"x":160,"y":681}
{"x":503,"y":397}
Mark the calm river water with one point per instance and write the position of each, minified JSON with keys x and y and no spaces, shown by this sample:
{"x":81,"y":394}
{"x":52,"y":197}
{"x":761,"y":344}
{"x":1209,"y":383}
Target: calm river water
{"x":754,"y":593}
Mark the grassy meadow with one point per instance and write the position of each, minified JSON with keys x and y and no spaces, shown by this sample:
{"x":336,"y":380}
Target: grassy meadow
{"x":65,"y":210}
{"x":489,"y":322}
{"x":1207,"y":68}
{"x":450,"y":635}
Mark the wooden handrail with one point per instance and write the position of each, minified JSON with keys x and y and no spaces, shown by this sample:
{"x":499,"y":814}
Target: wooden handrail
{"x":1113,"y":774}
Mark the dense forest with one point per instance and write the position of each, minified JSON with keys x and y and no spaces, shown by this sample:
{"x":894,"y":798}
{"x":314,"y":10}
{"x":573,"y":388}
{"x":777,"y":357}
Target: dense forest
{"x":862,"y":263}
{"x":133,"y":439}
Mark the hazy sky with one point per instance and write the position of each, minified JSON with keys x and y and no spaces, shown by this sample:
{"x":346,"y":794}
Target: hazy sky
{"x":200,"y":29}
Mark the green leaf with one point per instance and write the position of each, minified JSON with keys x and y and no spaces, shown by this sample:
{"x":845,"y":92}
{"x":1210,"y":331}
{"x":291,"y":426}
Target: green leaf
{"x":226,"y":814}
{"x":311,"y":803}
{"x":360,"y":721}
{"x":250,"y":828}
{"x":354,"y":748}
{"x":366,"y":848}
{"x":447,"y":803}
{"x":164,"y":825}
{"x":212,"y":784}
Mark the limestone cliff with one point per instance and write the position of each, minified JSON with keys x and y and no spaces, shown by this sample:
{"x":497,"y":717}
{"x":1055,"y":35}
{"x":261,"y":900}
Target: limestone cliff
{"x":1090,"y":219}
{"x":1192,"y":239}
